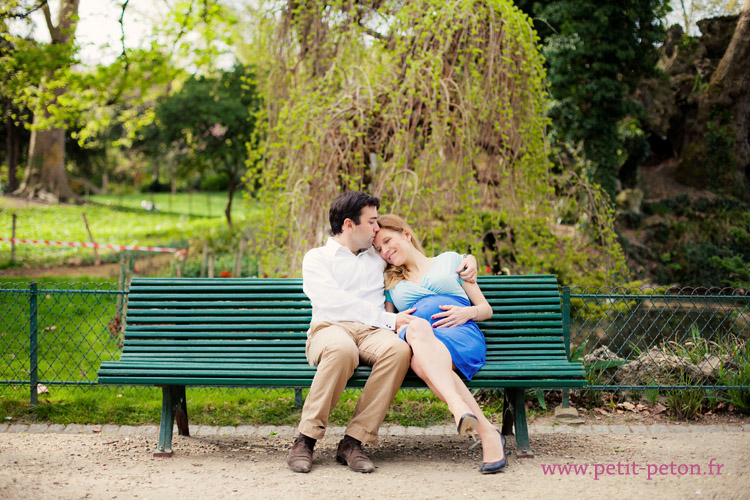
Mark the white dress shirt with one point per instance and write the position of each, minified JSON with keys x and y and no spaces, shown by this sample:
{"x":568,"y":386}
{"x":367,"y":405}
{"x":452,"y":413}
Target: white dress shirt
{"x":343,"y":286}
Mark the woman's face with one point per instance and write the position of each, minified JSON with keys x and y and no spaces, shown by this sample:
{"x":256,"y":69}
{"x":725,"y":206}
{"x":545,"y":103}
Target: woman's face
{"x":394,"y":246}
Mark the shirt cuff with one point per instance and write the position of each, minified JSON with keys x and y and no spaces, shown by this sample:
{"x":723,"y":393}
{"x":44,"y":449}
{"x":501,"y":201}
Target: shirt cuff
{"x":388,"y":320}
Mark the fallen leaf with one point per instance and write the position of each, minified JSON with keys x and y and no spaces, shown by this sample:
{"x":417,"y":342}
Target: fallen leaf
{"x":42,"y":389}
{"x":620,"y":412}
{"x":50,"y":329}
{"x":627,"y":406}
{"x":659,"y":408}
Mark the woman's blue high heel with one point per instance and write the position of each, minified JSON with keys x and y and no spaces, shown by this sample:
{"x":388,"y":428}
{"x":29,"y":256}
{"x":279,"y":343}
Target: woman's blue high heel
{"x":494,"y":467}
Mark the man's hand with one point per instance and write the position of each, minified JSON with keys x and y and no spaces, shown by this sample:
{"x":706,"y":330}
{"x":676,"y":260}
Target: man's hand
{"x":468,"y":269}
{"x":404,"y":318}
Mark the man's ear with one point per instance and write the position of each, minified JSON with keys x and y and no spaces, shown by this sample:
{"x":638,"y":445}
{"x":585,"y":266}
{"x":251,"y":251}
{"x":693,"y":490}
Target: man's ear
{"x":348,"y":223}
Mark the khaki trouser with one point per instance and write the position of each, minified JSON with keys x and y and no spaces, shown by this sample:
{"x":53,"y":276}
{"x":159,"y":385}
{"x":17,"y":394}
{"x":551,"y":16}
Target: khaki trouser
{"x":337,"y":349}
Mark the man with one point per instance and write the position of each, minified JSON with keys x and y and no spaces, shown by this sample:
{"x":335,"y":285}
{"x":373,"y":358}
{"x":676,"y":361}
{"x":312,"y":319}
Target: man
{"x":349,"y":325}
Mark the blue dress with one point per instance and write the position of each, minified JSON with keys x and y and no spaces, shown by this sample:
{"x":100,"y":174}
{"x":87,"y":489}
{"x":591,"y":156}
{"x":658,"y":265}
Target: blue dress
{"x":441,"y":285}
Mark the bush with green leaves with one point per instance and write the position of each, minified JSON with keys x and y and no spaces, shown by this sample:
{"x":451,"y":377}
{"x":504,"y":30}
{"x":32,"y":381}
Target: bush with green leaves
{"x":440,"y":112}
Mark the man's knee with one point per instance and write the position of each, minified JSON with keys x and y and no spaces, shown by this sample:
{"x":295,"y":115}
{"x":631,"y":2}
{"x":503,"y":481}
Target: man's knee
{"x":402,"y":352}
{"x":343,"y":354}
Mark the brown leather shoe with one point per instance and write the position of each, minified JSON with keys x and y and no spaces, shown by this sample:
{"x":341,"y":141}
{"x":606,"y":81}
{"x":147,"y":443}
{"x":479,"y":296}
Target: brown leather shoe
{"x":350,"y":453}
{"x":300,"y":456}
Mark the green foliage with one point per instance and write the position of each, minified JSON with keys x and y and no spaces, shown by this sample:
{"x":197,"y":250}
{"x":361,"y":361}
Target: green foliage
{"x":702,"y":242}
{"x":685,"y":403}
{"x":720,"y":138}
{"x":207,"y":127}
{"x":215,"y":182}
{"x":208,"y":122}
{"x":596,"y":53}
{"x":439,"y":112}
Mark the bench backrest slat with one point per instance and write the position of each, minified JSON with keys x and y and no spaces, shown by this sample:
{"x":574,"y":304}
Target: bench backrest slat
{"x":193,"y":321}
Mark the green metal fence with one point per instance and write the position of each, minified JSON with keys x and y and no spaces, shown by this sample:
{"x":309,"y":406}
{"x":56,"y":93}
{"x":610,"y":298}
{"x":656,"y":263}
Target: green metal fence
{"x":58,"y":334}
{"x":661,"y":339}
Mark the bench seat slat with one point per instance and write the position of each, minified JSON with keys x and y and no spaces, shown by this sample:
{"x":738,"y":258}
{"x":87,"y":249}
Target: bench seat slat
{"x":303,"y":383}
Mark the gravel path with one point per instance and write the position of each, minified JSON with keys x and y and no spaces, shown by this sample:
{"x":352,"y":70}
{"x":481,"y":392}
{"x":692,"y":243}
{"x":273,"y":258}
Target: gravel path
{"x":105,"y":463}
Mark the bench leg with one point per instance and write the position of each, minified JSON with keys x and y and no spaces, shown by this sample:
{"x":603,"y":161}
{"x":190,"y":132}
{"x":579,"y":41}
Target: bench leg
{"x":181,"y":413}
{"x":518,"y":405}
{"x":507,"y":414}
{"x":172,"y":402}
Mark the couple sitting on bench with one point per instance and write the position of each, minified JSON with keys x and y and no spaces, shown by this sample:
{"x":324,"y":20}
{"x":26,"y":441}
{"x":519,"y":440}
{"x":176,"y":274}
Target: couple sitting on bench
{"x":371,"y":268}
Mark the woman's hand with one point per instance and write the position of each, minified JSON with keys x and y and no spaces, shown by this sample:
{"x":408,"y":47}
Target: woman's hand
{"x":468,"y":269}
{"x":453,"y":316}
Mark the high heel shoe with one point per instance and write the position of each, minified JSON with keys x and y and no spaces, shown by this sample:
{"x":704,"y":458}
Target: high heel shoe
{"x":494,"y":467}
{"x":467,"y":425}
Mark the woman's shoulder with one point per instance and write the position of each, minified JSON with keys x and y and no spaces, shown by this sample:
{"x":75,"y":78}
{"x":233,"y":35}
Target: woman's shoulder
{"x":450,"y":257}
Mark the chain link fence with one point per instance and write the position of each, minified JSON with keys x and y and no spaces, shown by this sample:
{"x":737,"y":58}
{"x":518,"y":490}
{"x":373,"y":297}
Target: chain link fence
{"x":58,"y":334}
{"x":661,"y":339}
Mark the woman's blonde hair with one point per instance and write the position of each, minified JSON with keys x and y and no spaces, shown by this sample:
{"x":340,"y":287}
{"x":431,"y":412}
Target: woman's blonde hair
{"x":394,"y":274}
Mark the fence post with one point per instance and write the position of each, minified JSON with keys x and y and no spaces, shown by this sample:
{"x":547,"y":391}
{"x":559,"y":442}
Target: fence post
{"x":204,"y":259}
{"x":97,"y":259}
{"x":121,"y":287}
{"x":13,"y":241}
{"x":33,"y":375}
{"x":238,"y":259}
{"x":566,"y":333}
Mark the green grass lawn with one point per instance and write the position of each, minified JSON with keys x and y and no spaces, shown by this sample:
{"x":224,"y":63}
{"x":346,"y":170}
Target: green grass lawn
{"x":112,"y":224}
{"x":139,"y":406}
{"x":210,"y":204}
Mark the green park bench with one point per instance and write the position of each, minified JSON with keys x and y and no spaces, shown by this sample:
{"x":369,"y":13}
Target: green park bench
{"x":251,"y":332}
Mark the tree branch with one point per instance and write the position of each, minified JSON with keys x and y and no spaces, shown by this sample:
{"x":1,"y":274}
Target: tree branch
{"x":24,"y":15}
{"x":53,"y":31}
{"x":122,"y":27}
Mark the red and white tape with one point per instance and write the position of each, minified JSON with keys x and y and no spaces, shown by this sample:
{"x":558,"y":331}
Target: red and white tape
{"x":93,"y":245}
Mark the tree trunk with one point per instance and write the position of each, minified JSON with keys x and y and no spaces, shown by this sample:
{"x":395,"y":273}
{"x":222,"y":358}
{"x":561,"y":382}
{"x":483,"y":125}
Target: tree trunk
{"x":45,"y":175}
{"x":231,"y":187}
{"x":721,"y":131}
{"x":13,"y":145}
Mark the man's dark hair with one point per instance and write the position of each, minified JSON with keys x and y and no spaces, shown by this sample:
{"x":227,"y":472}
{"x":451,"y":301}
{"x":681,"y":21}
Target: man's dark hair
{"x":349,"y":205}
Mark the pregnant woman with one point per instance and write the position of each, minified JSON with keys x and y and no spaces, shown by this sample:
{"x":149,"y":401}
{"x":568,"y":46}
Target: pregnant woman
{"x":445,"y":338}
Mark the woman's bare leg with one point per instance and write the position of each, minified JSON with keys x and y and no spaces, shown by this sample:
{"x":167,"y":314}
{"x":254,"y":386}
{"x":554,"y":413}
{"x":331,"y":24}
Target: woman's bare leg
{"x":492,"y":446}
{"x":431,"y":361}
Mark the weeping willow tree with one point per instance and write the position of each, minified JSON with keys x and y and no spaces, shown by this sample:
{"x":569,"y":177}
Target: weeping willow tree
{"x":436,"y":107}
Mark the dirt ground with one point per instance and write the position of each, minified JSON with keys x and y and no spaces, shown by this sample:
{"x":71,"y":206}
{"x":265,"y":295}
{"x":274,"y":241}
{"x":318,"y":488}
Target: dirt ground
{"x":115,"y":466}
